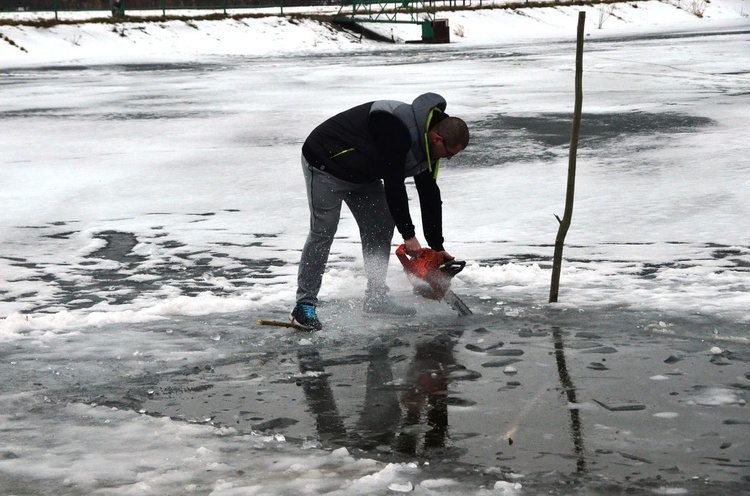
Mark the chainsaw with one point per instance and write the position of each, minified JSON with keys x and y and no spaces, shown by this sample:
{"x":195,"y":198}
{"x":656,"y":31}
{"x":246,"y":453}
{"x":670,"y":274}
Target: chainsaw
{"x":430,"y":272}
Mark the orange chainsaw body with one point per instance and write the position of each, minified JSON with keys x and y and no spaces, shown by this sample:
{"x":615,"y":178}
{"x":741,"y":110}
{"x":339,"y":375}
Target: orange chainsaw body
{"x":430,"y":271}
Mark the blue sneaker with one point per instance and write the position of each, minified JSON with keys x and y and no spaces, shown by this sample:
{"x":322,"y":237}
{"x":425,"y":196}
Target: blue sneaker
{"x":304,"y":315}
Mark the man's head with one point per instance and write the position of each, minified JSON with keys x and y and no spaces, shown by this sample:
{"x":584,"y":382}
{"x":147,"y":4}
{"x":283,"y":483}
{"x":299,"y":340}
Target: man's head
{"x":448,"y":137}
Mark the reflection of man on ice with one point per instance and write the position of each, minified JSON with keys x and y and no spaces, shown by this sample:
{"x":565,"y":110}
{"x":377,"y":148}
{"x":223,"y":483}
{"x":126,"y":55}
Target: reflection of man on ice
{"x":384,"y":419}
{"x":432,"y":362}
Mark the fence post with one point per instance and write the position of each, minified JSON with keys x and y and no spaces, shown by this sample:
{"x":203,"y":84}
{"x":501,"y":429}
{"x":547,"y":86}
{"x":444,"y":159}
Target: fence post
{"x":118,"y":8}
{"x":565,"y":222}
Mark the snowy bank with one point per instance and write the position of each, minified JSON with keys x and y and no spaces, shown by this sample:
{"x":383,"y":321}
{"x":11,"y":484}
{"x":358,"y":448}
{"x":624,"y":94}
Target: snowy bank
{"x":89,"y":42}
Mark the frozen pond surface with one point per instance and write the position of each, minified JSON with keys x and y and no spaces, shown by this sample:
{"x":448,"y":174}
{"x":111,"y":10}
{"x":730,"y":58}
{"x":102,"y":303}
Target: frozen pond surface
{"x":152,"y":213}
{"x":596,"y":401}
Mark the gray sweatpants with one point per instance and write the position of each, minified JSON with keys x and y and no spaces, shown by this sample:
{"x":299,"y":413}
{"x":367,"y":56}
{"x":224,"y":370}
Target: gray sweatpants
{"x":369,"y":208}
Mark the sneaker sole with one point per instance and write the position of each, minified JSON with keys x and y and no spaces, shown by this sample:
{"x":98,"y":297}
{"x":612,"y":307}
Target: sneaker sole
{"x":303,"y":327}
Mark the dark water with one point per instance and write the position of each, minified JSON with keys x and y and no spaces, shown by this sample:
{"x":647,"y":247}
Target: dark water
{"x":574,"y":401}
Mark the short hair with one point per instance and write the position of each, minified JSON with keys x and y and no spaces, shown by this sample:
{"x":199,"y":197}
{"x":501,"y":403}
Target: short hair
{"x":454,"y":131}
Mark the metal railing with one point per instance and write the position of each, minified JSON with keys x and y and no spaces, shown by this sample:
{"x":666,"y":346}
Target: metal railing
{"x":121,"y":7}
{"x":341,"y":11}
{"x":126,"y":6}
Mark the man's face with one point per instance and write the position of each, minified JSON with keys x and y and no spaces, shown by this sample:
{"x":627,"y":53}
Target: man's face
{"x":438,"y":149}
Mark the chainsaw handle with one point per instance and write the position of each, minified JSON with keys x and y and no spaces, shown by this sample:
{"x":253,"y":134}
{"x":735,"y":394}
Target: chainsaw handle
{"x":452,"y":267}
{"x":410,"y":264}
{"x":450,"y":264}
{"x":402,"y":255}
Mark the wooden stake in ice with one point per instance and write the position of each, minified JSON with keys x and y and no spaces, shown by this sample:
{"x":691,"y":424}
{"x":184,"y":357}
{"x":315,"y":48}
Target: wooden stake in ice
{"x":282,"y":323}
{"x":565,"y":221}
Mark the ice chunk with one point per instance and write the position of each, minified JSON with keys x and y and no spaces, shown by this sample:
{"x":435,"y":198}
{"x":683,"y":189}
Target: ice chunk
{"x":510,"y":488}
{"x":436,"y":483}
{"x":502,"y":362}
{"x":401,"y":487}
{"x":659,"y":377}
{"x":667,"y":415}
{"x":506,"y":352}
{"x":621,"y":407}
{"x":597,"y":366}
{"x":715,"y":396}
{"x":340,"y":453}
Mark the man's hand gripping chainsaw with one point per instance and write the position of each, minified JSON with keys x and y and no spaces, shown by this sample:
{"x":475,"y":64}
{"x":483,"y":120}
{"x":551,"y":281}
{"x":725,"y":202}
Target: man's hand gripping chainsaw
{"x":430,"y":272}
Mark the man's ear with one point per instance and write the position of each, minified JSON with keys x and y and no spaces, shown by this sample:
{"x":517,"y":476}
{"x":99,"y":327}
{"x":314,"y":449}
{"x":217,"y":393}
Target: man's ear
{"x":434,"y":137}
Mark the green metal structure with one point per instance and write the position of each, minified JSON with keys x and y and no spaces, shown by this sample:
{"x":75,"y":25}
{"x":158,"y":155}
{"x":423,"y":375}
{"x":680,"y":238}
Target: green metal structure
{"x":406,"y":11}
